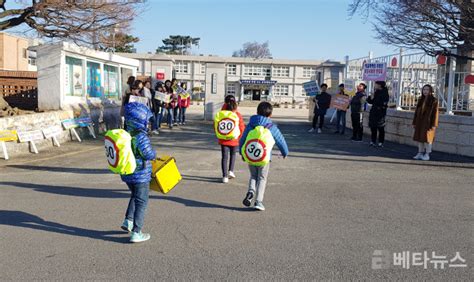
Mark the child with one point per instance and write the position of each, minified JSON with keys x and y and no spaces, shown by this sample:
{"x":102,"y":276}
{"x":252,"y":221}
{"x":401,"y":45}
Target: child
{"x":229,"y":145}
{"x":256,"y":148}
{"x":136,"y":118}
{"x":184,"y":99}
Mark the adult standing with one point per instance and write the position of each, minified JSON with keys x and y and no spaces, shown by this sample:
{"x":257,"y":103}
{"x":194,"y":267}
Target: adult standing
{"x":169,"y":104}
{"x":184,"y":100}
{"x":321,"y":106}
{"x":341,"y":114}
{"x":357,"y":109}
{"x":425,"y":122}
{"x":379,"y":101}
{"x":158,"y":108}
{"x":174,"y":100}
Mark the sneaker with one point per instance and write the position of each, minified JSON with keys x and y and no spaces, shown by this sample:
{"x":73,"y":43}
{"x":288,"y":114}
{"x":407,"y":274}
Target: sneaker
{"x":372,"y":144}
{"x":248,"y":199}
{"x":259,"y":206}
{"x":425,"y":157}
{"x":183,"y":123}
{"x":380,"y":145}
{"x":225,"y":180}
{"x":418,"y":156}
{"x":138,"y":237}
{"x":231,"y":175}
{"x":156,"y":132}
{"x":319,"y":130}
{"x":175,"y":124}
{"x":311,"y":130}
{"x":127,"y":225}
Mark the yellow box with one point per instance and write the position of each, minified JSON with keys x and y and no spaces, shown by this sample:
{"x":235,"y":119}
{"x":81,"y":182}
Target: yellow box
{"x":165,"y":174}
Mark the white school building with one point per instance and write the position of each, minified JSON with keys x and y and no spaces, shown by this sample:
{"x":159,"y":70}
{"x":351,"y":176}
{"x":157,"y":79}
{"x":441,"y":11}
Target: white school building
{"x":246,"y":78}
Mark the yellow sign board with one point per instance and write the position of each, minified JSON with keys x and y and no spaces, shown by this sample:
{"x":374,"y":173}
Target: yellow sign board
{"x":8,"y":135}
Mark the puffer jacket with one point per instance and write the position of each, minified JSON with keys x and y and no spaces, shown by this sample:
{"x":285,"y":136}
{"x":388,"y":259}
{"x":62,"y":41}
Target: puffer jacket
{"x":257,"y":120}
{"x":136,"y":117}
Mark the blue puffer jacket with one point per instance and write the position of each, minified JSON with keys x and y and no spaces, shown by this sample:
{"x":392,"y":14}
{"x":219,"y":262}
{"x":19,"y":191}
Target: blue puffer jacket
{"x":257,"y":120}
{"x":136,"y":117}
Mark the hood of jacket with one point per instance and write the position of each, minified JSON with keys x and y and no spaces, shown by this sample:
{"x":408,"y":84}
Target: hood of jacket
{"x":137,"y":116}
{"x":257,"y":120}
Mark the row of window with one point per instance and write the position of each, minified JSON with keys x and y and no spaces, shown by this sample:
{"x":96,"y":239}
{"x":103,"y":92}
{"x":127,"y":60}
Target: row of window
{"x":250,"y":70}
{"x":277,"y":90}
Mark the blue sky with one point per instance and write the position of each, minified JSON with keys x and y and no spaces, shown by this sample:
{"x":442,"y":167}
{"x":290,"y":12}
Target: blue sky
{"x":295,"y":29}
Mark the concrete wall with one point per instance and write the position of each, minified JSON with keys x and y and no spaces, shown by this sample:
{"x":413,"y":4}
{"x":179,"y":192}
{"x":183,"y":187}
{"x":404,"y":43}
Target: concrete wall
{"x":454,"y":135}
{"x":214,"y":101}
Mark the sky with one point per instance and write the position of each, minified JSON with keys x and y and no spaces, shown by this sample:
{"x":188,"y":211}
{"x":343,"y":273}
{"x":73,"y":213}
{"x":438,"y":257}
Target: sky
{"x":295,"y":29}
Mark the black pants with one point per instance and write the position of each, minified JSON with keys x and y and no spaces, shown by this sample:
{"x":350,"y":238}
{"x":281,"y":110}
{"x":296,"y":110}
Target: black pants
{"x":357,"y":126}
{"x":175,"y":114}
{"x":321,"y":120}
{"x":381,"y":131}
{"x":226,"y":152}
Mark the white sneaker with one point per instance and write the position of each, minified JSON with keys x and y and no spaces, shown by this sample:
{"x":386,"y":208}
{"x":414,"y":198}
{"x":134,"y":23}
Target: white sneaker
{"x":319,"y":130}
{"x":259,"y":206}
{"x":156,"y":132}
{"x":418,"y":156}
{"x":225,"y":180}
{"x":311,"y":130}
{"x":231,"y":175}
{"x":425,"y":157}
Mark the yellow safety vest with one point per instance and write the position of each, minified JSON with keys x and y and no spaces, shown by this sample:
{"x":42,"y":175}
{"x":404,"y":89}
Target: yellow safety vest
{"x":226,"y":125}
{"x":184,"y":95}
{"x":119,"y":153}
{"x":258,"y":146}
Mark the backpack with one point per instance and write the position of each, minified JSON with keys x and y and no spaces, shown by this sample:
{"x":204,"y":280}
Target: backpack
{"x":119,"y":153}
{"x":226,"y":125}
{"x":257,"y":148}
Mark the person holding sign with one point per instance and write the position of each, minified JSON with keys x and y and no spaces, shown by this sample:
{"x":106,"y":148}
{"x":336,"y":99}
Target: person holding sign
{"x":229,"y":127}
{"x":379,"y":102}
{"x":255,"y":147}
{"x":341,"y":114}
{"x":322,"y":103}
{"x":136,"y":117}
{"x":169,"y":105}
{"x":174,"y":100}
{"x":158,"y":107}
{"x":425,"y":122}
{"x":184,"y":99}
{"x":357,"y":109}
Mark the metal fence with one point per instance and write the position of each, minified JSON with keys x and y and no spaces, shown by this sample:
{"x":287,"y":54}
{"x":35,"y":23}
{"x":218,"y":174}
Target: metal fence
{"x":406,"y":75}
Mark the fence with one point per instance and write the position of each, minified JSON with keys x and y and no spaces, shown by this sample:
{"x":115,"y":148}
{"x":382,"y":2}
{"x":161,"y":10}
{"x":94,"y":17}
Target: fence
{"x":19,"y":89}
{"x":407,"y":73}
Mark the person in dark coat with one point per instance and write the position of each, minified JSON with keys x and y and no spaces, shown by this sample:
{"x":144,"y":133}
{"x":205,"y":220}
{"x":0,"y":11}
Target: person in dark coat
{"x":322,"y":103}
{"x":357,"y":108}
{"x":379,"y":102}
{"x":425,"y":122}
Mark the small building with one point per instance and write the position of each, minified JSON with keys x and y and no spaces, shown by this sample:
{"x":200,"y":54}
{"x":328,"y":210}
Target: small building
{"x":70,"y":75}
{"x":15,"y":54}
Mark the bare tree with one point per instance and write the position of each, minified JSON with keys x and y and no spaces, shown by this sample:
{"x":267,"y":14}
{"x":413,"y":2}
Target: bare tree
{"x":254,"y":50}
{"x":81,"y":21}
{"x":434,"y":26}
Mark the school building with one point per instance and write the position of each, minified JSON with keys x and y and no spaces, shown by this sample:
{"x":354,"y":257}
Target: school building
{"x":246,"y":78}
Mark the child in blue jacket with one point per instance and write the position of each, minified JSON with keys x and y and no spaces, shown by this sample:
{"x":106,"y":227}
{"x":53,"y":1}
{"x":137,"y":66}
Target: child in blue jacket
{"x":259,"y":174}
{"x":136,"y":118}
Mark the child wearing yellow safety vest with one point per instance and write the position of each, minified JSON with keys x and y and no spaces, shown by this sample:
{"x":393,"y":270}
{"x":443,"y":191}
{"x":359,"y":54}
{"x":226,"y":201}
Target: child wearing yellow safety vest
{"x":184,"y":99}
{"x":229,"y":127}
{"x":256,"y":146}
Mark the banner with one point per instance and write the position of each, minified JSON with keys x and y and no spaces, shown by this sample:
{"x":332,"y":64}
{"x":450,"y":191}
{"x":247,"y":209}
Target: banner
{"x":375,"y":72}
{"x":27,"y":136}
{"x":52,"y":131}
{"x":311,"y":88}
{"x":138,"y":99}
{"x":70,"y":123}
{"x":340,"y":102}
{"x":164,"y":97}
{"x":8,"y":135}
{"x":84,"y":121}
{"x":350,"y":87}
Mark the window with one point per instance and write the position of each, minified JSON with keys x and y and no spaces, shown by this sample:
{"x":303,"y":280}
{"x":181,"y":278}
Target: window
{"x":93,"y":80}
{"x":25,"y":53}
{"x":231,"y":89}
{"x":203,"y":68}
{"x":111,"y":82}
{"x":281,"y":71}
{"x":257,"y":70}
{"x":309,"y":72}
{"x":231,"y":69}
{"x":281,"y":90}
{"x":181,"y":67}
{"x":32,"y":61}
{"x":73,"y":77}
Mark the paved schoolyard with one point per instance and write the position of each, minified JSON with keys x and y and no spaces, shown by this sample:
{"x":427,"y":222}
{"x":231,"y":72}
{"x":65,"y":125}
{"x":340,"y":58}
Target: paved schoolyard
{"x":330,"y":205}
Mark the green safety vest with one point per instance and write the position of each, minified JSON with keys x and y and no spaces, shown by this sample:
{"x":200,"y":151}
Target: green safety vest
{"x":226,"y":125}
{"x":119,"y":153}
{"x":258,"y":146}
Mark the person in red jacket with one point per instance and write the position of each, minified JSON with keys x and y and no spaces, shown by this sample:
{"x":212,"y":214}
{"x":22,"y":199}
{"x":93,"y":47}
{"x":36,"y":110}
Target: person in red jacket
{"x":229,"y":147}
{"x":184,"y":100}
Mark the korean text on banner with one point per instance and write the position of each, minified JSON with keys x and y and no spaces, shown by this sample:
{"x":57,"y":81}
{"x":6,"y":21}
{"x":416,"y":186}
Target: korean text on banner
{"x":311,"y":88}
{"x":375,"y":72}
{"x":340,"y":102}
